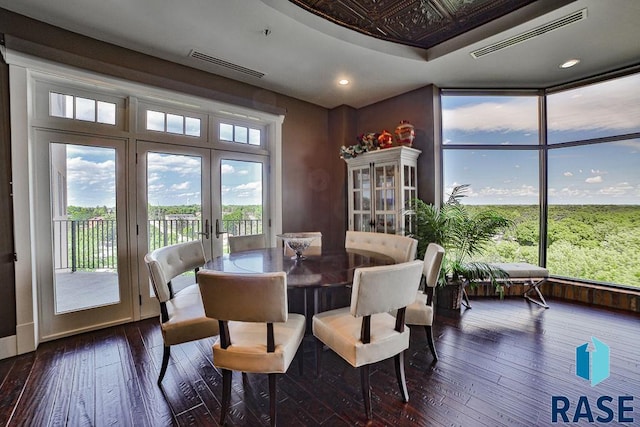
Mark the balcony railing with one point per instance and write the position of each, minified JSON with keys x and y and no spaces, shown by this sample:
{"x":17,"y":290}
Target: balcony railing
{"x":92,"y":244}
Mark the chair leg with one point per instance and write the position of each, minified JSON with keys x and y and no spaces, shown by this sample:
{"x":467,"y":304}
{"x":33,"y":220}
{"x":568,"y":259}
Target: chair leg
{"x":165,"y":362}
{"x":300,"y":356}
{"x":226,"y":394}
{"x":366,"y":389}
{"x":319,"y":348}
{"x":272,"y":398}
{"x":402,"y":383}
{"x":432,"y":345}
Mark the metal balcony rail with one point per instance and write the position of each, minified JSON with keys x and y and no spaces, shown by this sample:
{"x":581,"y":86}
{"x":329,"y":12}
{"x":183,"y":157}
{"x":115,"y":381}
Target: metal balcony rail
{"x":92,"y":244}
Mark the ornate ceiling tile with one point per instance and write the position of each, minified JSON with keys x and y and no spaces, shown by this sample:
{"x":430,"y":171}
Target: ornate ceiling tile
{"x":420,"y":23}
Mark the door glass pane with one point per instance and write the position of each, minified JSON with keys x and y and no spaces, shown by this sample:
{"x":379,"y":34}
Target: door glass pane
{"x":107,"y":112}
{"x":86,"y":109}
{"x":174,"y":203}
{"x":379,"y":170}
{"x":61,"y":105}
{"x":241,"y":198}
{"x":390,"y":179}
{"x":226,"y":132}
{"x":366,"y":222}
{"x":254,"y":136}
{"x":192,"y":126}
{"x":83,"y":196}
{"x":366,"y":189}
{"x":356,"y":179}
{"x":155,"y":120}
{"x":379,"y":200}
{"x":175,"y":123}
{"x":391,"y":205}
{"x":241,"y":134}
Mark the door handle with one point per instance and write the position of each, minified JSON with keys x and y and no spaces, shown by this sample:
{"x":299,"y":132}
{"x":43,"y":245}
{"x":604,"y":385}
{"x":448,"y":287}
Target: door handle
{"x":218,"y":232}
{"x":205,"y":233}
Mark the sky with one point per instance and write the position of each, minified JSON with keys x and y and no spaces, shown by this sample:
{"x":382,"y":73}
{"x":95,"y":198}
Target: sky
{"x":171,"y":179}
{"x":606,"y":173}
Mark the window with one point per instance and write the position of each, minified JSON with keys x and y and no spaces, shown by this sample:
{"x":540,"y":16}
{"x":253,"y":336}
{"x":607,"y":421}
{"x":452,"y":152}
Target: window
{"x":80,"y":108}
{"x":173,"y":123}
{"x":239,"y":134}
{"x":490,"y":120}
{"x":599,"y":110}
{"x":592,"y":189}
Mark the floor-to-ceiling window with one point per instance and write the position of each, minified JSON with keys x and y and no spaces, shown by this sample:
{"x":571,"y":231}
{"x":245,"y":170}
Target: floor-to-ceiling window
{"x":491,"y":142}
{"x":594,"y":181}
{"x":571,"y":153}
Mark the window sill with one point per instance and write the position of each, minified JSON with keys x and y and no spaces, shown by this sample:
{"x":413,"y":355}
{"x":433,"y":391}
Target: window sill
{"x":604,"y":296}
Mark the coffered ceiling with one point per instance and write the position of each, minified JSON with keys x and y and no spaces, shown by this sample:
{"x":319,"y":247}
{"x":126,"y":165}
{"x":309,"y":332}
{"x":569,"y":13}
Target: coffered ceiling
{"x":282,"y":46}
{"x":419,"y":23}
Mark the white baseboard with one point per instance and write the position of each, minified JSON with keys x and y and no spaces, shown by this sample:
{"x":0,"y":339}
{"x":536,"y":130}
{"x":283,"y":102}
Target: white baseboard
{"x":8,"y":347}
{"x":26,"y":338}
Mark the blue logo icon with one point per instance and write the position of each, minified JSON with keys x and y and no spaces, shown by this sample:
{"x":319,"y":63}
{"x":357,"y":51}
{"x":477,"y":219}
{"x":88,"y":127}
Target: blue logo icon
{"x":592,"y":363}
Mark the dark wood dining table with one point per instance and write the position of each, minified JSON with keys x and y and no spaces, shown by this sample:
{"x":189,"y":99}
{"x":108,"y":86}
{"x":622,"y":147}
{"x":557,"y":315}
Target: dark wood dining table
{"x":331,"y":269}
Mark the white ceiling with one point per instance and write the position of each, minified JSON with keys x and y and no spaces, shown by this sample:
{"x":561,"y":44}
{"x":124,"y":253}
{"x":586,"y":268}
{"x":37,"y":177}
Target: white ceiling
{"x":304,"y":56}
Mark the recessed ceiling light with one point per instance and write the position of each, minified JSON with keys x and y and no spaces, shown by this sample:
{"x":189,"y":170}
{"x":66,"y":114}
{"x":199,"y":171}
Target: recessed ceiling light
{"x":570,"y":63}
{"x":343,"y":82}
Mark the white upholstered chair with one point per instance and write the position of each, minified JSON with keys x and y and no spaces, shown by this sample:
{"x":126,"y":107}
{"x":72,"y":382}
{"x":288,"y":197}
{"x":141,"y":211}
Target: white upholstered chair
{"x":365,"y":332}
{"x":257,"y":333}
{"x":420,"y":312}
{"x":247,"y":243}
{"x":182,"y":317}
{"x":315,"y":248}
{"x":400,"y":248}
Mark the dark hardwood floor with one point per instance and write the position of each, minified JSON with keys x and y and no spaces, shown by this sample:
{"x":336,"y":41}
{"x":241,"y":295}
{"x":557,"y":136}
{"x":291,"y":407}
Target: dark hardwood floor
{"x":500,"y":364}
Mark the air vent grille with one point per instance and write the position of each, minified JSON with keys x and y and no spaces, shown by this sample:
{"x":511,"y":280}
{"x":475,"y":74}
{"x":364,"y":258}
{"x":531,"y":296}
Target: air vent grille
{"x":225,"y":64}
{"x":543,"y":29}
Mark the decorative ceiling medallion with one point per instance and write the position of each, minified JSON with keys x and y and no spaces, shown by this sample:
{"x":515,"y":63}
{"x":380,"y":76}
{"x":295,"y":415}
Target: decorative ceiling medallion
{"x":419,"y":23}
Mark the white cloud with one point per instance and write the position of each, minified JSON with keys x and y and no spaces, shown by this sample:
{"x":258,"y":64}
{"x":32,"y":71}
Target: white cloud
{"x":87,"y":177}
{"x":257,"y":185}
{"x":226,"y":168}
{"x":181,"y":186}
{"x":567,"y":174}
{"x":175,"y":164}
{"x":608,"y":106}
{"x":515,"y":114}
{"x":594,"y":180}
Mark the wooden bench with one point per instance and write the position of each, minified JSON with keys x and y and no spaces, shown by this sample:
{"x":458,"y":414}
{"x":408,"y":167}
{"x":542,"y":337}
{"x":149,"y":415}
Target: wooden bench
{"x":525,"y":273}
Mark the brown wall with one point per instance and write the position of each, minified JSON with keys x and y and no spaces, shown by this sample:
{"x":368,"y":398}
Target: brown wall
{"x":417,"y":107}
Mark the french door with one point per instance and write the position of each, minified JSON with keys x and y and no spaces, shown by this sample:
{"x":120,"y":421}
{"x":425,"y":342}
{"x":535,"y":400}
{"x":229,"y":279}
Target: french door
{"x":189,"y":193}
{"x":82,"y":259}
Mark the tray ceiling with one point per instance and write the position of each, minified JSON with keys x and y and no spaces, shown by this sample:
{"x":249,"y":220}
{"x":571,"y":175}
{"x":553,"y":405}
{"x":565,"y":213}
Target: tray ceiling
{"x":418,"y":23}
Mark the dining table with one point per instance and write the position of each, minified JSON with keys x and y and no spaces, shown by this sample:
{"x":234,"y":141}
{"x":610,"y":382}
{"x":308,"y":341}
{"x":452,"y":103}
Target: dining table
{"x":310,"y":275}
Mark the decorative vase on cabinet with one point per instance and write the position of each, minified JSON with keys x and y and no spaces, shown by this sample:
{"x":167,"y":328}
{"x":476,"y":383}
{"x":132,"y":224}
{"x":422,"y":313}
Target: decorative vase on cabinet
{"x":379,"y":185}
{"x":405,"y":133}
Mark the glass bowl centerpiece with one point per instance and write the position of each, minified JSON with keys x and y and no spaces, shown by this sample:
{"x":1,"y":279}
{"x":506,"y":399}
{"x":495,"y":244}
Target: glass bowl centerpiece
{"x":297,"y":242}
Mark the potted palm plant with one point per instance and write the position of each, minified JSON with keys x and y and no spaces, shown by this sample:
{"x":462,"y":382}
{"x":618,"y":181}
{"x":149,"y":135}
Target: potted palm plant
{"x":464,"y":235}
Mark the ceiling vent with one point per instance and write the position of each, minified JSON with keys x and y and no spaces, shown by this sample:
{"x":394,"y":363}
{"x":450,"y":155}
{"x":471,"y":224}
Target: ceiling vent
{"x":543,"y":29}
{"x":225,"y":64}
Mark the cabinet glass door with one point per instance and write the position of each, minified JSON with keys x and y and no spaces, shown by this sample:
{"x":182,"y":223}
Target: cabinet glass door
{"x":410,"y":189}
{"x":361,"y":178}
{"x":385,"y":198}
